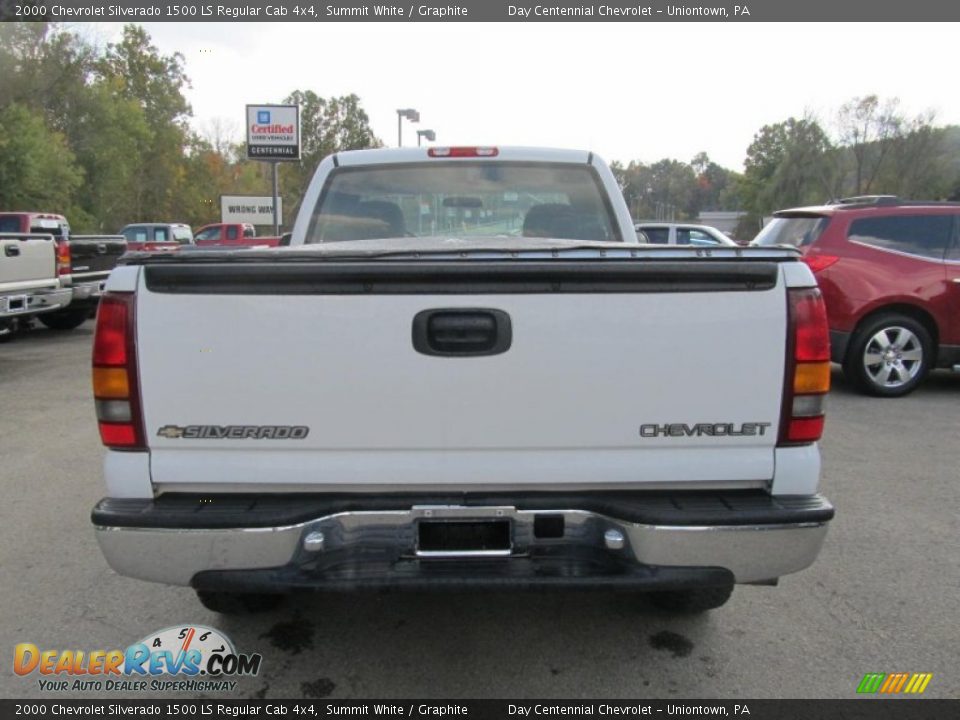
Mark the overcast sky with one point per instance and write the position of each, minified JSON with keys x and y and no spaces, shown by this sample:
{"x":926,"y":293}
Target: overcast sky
{"x":624,"y":90}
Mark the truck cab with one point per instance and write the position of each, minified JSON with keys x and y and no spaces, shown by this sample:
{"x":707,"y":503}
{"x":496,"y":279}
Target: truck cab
{"x":157,"y":237}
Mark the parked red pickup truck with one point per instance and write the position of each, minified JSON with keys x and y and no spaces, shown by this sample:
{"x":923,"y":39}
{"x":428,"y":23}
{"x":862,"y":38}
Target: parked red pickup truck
{"x":232,"y":234}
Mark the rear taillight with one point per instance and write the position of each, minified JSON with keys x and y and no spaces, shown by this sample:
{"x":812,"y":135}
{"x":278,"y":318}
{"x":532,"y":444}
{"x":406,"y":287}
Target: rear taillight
{"x":115,"y":387}
{"x":808,"y":369}
{"x":63,"y":257}
{"x":459,"y":152}
{"x":818,"y":263}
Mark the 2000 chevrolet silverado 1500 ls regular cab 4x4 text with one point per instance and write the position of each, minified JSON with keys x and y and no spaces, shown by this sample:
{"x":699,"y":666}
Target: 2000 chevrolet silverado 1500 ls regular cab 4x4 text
{"x":465,"y":372}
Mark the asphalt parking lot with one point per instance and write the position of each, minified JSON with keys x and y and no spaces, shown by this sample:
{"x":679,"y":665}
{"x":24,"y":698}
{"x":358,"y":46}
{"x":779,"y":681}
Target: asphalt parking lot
{"x":883,"y":597}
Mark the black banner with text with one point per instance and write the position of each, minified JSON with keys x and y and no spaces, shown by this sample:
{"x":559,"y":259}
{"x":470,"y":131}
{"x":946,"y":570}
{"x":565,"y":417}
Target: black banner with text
{"x":480,"y":11}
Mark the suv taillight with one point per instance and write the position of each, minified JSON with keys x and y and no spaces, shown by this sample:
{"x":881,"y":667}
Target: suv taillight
{"x":808,"y":369}
{"x":115,"y":387}
{"x":818,"y":262}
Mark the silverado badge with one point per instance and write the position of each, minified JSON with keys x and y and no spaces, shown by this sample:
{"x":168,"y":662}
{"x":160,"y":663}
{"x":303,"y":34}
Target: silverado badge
{"x":234,"y":432}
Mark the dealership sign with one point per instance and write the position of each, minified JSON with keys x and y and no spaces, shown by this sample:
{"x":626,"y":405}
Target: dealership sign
{"x":249,"y":209}
{"x":273,"y":132}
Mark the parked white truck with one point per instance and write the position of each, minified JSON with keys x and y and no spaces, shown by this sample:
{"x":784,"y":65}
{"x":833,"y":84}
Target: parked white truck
{"x":30,"y":282}
{"x":464,"y":371}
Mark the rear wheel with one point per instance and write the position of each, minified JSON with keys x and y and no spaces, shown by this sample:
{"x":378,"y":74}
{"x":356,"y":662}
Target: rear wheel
{"x":889,"y":356}
{"x":64,"y":319}
{"x":227,"y":603}
{"x":692,"y":601}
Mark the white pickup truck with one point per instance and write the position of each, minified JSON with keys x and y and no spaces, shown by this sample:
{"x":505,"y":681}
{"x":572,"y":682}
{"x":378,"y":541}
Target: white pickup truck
{"x":30,"y":281}
{"x":464,"y":371}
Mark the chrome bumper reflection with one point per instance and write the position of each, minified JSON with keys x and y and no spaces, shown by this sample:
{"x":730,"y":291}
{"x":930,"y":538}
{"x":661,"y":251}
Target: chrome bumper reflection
{"x":753,"y":553}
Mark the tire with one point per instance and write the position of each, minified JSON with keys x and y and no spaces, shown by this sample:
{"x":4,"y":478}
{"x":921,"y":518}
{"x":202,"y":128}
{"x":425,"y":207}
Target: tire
{"x":8,"y":328}
{"x":64,"y":319}
{"x":889,"y":356}
{"x":692,"y":601}
{"x":227,"y":603}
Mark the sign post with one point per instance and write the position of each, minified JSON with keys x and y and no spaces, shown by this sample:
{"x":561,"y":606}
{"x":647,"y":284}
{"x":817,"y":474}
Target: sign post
{"x":273,"y":134}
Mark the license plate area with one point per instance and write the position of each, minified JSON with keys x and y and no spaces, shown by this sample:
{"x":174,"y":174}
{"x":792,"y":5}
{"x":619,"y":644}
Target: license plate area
{"x":463,"y":538}
{"x":14,"y":303}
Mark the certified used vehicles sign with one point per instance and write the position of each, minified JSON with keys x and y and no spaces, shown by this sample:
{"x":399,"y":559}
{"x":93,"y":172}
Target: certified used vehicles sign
{"x":273,"y":132}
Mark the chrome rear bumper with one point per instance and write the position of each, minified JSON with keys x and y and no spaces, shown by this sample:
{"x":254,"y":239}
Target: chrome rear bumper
{"x":32,"y":302}
{"x":344,"y":545}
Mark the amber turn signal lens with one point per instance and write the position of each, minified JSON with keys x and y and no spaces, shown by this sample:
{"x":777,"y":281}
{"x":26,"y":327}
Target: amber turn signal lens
{"x":110,"y":383}
{"x":811,"y":378}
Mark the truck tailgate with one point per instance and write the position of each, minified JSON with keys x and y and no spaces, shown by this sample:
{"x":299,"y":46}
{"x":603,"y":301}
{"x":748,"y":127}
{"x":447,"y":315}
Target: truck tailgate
{"x":27,"y":262}
{"x":622,"y":374}
{"x":94,"y":256}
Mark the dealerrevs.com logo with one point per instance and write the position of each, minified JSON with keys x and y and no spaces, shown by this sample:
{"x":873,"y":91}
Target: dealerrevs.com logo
{"x":199,"y":658}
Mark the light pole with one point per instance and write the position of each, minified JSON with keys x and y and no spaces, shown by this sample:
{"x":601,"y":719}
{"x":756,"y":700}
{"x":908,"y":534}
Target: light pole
{"x":411,"y":115}
{"x":428,"y":134}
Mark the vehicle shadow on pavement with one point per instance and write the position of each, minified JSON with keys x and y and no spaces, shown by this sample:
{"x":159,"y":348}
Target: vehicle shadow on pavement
{"x":39,"y":336}
{"x":459,"y":644}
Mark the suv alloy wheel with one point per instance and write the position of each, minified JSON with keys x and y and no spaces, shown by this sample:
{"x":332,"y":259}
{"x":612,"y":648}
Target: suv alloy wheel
{"x":889,"y":355}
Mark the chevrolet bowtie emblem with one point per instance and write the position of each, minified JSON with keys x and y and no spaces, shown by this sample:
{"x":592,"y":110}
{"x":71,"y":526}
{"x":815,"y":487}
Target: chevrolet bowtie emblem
{"x":170,"y":431}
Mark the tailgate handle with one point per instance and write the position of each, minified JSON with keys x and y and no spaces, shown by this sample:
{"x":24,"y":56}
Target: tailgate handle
{"x":11,"y":250}
{"x":462,"y":332}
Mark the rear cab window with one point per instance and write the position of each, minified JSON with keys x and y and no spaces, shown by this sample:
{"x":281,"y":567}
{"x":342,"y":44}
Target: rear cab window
{"x":49,"y":226}
{"x":10,"y":224}
{"x":799,"y":231}
{"x":135,"y":234}
{"x":657,"y":235}
{"x":463,"y":199}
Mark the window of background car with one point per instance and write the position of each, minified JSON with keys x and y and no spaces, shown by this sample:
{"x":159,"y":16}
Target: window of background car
{"x":160,"y":235}
{"x":923,"y":235}
{"x":798,"y":231}
{"x":463,"y":199}
{"x":953,"y":252}
{"x":182,"y":235}
{"x":658,"y":236}
{"x":694,"y":237}
{"x":10,"y":224}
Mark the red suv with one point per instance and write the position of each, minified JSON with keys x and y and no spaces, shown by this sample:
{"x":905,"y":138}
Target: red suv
{"x":889,"y":270}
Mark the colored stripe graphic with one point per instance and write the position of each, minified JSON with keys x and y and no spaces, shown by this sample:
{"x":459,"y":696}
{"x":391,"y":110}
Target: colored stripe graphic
{"x":912,"y":683}
{"x":871,"y":682}
{"x":923,"y":679}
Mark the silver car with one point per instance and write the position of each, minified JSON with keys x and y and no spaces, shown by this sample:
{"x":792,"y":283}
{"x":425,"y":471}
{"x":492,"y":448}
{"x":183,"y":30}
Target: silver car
{"x":663,"y":233}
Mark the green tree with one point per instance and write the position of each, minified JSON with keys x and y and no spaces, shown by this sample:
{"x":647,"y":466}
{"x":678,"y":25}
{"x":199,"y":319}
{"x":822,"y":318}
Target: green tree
{"x":888,"y":152}
{"x":44,"y":68}
{"x":133,"y":70}
{"x":107,"y":134}
{"x":327,"y":125}
{"x":716,"y":186}
{"x":37,"y":168}
{"x":788,"y":163}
